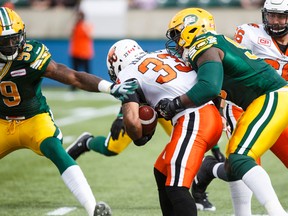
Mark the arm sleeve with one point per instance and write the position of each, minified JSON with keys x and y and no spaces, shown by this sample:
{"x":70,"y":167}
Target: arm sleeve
{"x":210,"y":78}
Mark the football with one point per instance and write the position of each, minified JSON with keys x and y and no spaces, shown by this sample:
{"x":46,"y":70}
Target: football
{"x":148,"y":118}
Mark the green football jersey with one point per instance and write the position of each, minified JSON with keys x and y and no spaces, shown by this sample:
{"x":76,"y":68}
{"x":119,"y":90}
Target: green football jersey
{"x":20,"y":82}
{"x":246,"y":76}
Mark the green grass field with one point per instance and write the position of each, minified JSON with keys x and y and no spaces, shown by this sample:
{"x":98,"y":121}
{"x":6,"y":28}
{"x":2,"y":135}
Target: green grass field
{"x":31,"y":185}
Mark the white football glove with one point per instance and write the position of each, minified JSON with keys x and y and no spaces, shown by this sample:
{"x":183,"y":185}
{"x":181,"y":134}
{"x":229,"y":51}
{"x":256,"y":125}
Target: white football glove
{"x":120,"y":91}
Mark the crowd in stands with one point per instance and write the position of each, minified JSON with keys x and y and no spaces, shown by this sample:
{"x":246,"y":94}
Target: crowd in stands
{"x":39,"y":3}
{"x":139,"y":4}
{"x":152,"y":4}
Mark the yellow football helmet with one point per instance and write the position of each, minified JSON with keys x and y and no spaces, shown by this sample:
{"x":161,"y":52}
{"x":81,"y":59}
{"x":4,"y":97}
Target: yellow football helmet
{"x":189,"y":23}
{"x":12,"y":34}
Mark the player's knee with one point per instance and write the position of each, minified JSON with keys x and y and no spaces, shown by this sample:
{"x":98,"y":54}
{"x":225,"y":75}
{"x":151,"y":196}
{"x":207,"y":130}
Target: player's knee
{"x":237,"y":165}
{"x":160,"y":179}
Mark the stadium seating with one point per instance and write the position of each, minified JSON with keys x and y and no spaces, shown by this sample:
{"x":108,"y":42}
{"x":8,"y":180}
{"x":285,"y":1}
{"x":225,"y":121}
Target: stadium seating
{"x":17,"y":3}
{"x":198,"y":3}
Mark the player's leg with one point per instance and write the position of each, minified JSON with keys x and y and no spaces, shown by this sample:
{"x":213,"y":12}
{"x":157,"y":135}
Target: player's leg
{"x":179,"y":175}
{"x":211,"y":168}
{"x":217,"y":153}
{"x":256,"y":131}
{"x":103,"y":145}
{"x":9,"y":141}
{"x":80,"y":145}
{"x":42,"y":136}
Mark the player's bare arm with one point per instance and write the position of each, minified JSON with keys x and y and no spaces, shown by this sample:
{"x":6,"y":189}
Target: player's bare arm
{"x":66,"y":75}
{"x":131,"y":120}
{"x":88,"y":82}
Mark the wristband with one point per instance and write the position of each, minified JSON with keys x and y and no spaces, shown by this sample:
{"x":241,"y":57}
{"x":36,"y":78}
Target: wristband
{"x":104,"y":86}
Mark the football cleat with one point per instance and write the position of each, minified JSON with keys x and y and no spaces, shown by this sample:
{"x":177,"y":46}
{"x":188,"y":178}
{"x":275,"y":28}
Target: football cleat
{"x":79,"y":146}
{"x":102,"y":209}
{"x":202,"y":202}
{"x":198,"y":188}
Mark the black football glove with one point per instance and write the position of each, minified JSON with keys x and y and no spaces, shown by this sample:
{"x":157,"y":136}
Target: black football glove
{"x":218,"y":154}
{"x":169,"y":108}
{"x":117,"y":127}
{"x":143,"y":140}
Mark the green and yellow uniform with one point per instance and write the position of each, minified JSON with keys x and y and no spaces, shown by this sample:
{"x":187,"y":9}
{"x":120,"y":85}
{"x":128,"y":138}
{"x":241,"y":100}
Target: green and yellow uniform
{"x":25,"y":119}
{"x":250,"y":83}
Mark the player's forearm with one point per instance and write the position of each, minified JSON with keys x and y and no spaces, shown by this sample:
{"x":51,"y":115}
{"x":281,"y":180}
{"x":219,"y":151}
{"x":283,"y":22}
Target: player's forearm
{"x":131,"y":120}
{"x":82,"y":80}
{"x":210,"y":76}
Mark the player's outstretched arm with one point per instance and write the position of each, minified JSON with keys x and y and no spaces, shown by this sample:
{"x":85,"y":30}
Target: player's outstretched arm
{"x":88,"y":82}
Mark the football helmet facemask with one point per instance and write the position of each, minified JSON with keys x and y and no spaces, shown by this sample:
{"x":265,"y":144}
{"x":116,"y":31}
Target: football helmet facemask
{"x":275,"y":8}
{"x":120,"y":55}
{"x":12,"y":34}
{"x":185,"y":26}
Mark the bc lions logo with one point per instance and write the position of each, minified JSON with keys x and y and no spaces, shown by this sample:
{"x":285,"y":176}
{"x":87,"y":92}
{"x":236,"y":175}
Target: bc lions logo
{"x":112,"y":57}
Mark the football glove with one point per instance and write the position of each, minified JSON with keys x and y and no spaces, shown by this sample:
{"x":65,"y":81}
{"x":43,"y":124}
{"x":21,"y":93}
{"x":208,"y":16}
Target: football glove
{"x":120,"y":91}
{"x":143,"y":140}
{"x":169,"y":108}
{"x":116,"y":128}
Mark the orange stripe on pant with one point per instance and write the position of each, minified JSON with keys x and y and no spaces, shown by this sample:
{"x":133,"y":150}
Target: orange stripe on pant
{"x":193,"y":134}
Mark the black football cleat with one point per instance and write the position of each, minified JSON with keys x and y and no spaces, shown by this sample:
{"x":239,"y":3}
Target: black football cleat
{"x":79,"y":146}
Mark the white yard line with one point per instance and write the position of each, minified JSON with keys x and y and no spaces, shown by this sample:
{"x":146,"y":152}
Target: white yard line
{"x":61,"y":211}
{"x":83,"y":114}
{"x":78,"y":95}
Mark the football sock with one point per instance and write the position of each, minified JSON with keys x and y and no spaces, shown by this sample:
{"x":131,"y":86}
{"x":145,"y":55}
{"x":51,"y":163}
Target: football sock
{"x":98,"y":144}
{"x":219,"y":171}
{"x":182,"y":201}
{"x":75,"y":180}
{"x":204,"y":175}
{"x":259,"y":182}
{"x":53,"y":149}
{"x":241,"y":198}
{"x":165,"y":203}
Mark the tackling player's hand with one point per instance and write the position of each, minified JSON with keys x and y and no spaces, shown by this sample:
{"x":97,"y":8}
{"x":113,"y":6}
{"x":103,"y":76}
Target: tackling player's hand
{"x":143,"y":140}
{"x":120,"y":91}
{"x":169,"y":108}
{"x":116,"y":128}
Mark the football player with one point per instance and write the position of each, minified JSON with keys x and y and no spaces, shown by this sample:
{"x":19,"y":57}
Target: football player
{"x":117,"y":139}
{"x":269,"y":41}
{"x":161,"y":75}
{"x":248,"y":82}
{"x":25,"y":118}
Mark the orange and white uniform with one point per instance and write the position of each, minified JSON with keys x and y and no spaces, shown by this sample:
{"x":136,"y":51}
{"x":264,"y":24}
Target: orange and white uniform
{"x":195,"y":130}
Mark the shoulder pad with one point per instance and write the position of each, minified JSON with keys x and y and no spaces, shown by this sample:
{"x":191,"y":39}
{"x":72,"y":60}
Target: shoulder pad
{"x":201,"y":44}
{"x":35,"y":53}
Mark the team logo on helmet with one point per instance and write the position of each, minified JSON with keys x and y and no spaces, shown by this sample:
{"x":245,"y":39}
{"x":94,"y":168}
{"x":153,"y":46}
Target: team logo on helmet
{"x":189,"y":20}
{"x":112,"y":57}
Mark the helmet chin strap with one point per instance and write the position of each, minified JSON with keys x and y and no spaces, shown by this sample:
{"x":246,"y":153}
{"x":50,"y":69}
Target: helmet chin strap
{"x":9,"y":58}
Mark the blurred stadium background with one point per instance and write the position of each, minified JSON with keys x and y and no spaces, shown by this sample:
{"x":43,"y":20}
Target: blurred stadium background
{"x":51,"y":21}
{"x":143,"y":20}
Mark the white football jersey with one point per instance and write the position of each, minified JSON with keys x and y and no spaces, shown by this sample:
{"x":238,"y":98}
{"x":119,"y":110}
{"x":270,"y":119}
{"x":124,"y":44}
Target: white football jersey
{"x":255,"y":38}
{"x":160,"y":76}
